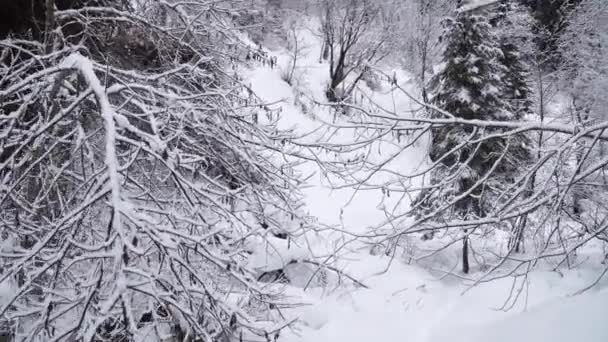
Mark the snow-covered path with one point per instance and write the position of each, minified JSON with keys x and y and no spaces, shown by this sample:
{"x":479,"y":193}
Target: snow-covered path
{"x":407,"y":304}
{"x":404,"y":302}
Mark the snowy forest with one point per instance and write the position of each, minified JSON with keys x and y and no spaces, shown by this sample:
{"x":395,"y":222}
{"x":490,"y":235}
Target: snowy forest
{"x":303,"y":170}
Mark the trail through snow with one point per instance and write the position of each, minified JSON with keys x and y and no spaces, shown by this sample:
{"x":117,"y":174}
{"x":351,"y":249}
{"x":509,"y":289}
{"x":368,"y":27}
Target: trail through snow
{"x":404,"y":302}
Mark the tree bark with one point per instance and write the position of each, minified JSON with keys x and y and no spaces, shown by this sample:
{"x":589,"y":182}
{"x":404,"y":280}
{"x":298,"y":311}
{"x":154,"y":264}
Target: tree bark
{"x":465,"y":253}
{"x":49,"y":25}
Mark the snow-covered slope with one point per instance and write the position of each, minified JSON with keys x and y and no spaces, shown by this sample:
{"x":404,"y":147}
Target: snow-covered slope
{"x":406,"y":303}
{"x":346,"y":207}
{"x":402,"y":302}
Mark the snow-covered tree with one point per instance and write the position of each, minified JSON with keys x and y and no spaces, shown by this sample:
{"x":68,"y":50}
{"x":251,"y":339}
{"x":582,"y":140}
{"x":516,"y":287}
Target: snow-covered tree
{"x":354,"y":38}
{"x":134,"y":181}
{"x":551,"y":19}
{"x":584,"y":47}
{"x":468,"y":85}
{"x":583,"y":74}
{"x":419,"y":30}
{"x":512,"y":26}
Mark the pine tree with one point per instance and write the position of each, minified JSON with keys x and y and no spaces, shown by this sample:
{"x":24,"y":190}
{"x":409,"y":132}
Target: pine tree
{"x":510,"y":24}
{"x":468,"y":85}
{"x":551,"y":20}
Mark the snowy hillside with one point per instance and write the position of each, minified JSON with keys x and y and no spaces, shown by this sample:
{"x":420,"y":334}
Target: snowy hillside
{"x":349,"y":208}
{"x":402,"y":302}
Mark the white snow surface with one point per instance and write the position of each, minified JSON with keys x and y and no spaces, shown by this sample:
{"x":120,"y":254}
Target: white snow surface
{"x":469,"y":5}
{"x":356,"y":210}
{"x":402,"y":302}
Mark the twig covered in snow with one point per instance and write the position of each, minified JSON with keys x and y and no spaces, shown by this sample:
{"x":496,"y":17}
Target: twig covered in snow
{"x":131,"y":177}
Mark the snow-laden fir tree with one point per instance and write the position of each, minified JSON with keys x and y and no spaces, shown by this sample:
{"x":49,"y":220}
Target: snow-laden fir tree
{"x":468,"y":175}
{"x":550,"y":21}
{"x":511,"y":24}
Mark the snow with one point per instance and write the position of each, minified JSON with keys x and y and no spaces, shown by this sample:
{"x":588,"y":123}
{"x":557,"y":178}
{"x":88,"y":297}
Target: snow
{"x":407,"y":301}
{"x":475,"y":4}
{"x":272,"y":253}
{"x":394,"y":298}
{"x":357,"y":210}
{"x":401,"y":301}
{"x":581,"y":318}
{"x":464,"y":96}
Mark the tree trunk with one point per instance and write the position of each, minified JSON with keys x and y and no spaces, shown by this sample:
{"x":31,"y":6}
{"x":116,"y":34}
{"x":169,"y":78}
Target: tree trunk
{"x":517,"y":238}
{"x":295,"y":55}
{"x":424,"y":52}
{"x":325,"y":51}
{"x":49,"y":25}
{"x":336,"y":78}
{"x":465,"y":253}
{"x":576,"y":191}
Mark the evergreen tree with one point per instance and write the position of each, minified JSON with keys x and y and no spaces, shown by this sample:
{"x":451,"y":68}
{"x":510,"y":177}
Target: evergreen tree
{"x":551,"y":19}
{"x":469,"y":86}
{"x":511,"y":25}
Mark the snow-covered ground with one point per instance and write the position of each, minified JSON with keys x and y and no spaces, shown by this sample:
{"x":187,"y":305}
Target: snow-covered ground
{"x":402,"y":302}
{"x":355,"y":210}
